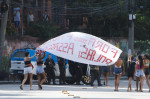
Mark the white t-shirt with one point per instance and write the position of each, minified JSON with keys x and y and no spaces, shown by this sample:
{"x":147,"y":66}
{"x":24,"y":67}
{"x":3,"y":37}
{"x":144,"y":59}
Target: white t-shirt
{"x":17,"y":17}
{"x":30,"y":17}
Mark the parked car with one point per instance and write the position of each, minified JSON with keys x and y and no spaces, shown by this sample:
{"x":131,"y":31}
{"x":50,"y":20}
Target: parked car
{"x":17,"y":66}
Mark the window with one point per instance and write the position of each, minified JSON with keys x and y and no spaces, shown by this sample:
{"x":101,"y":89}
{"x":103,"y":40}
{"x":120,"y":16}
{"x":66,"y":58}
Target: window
{"x":19,"y":55}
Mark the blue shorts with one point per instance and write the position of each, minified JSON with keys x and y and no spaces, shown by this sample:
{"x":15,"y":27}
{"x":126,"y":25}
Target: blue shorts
{"x":17,"y":23}
{"x":105,"y":69}
{"x":146,"y":71}
{"x":139,"y":73}
{"x":118,"y":71}
{"x":39,"y":69}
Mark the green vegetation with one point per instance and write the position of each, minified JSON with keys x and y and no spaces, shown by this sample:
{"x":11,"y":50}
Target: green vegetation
{"x":43,"y":30}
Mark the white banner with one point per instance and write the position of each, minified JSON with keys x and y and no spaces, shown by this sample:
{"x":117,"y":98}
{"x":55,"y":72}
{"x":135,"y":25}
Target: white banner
{"x":82,"y":48}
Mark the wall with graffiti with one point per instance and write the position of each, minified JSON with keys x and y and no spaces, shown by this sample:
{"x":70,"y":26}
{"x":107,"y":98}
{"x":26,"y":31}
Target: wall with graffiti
{"x":11,"y":44}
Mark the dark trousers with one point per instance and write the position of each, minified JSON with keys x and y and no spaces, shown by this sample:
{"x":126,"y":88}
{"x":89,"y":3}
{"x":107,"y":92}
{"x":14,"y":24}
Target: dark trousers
{"x":95,"y":74}
{"x":78,"y":75}
{"x":62,"y":74}
{"x":51,"y":75}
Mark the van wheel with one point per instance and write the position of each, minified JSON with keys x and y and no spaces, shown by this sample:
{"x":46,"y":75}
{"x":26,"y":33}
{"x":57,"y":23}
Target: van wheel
{"x":86,"y":79}
{"x":70,"y":80}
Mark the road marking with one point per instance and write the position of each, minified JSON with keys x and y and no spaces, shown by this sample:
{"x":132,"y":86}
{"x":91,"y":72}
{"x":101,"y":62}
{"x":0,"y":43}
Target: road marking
{"x":94,"y":87}
{"x":70,"y":95}
{"x":76,"y":97}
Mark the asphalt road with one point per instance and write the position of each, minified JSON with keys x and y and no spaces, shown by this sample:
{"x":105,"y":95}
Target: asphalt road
{"x":12,"y":91}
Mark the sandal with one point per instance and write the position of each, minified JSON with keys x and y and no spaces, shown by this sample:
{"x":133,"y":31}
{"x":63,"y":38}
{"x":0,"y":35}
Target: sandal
{"x":21,"y":87}
{"x":40,"y":87}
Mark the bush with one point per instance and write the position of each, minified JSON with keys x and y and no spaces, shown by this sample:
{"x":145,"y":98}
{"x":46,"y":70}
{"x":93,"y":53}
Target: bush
{"x":4,"y":69}
{"x":43,"y":30}
{"x":3,"y":75}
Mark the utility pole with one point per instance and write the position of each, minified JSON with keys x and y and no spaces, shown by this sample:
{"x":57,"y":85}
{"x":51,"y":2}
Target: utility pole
{"x":2,"y":33}
{"x":22,"y":17}
{"x":131,"y":26}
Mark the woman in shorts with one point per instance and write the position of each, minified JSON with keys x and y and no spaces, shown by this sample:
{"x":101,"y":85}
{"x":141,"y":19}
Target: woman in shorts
{"x":40,"y":70}
{"x":139,"y":73}
{"x":106,"y":70}
{"x":118,"y":72}
{"x":27,"y":70}
{"x":146,"y":69}
{"x":130,"y":71}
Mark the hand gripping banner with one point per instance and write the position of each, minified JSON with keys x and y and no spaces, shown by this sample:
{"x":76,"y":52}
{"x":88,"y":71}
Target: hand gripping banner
{"x":82,"y":48}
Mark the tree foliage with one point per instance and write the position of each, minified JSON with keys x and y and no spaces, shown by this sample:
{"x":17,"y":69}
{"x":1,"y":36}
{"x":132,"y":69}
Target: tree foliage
{"x":43,"y":30}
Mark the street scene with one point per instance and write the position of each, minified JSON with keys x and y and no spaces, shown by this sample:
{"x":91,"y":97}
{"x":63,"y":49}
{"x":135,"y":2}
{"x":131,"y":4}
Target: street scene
{"x":84,"y":49}
{"x":12,"y":91}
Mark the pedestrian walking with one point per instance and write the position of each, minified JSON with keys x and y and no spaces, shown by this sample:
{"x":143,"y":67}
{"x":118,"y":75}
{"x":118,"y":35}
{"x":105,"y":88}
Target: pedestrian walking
{"x":139,"y":73}
{"x":27,"y":70}
{"x":131,"y":70}
{"x":62,"y":63}
{"x":118,"y":72}
{"x":78,"y":72}
{"x":50,"y":70}
{"x":146,"y":69}
{"x":95,"y":74}
{"x":106,"y":70}
{"x":40,"y":70}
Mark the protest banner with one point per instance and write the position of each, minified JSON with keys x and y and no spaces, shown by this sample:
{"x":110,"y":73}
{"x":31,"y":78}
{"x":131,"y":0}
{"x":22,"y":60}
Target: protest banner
{"x":82,"y":48}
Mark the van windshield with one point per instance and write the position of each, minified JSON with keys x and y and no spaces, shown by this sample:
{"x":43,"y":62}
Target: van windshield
{"x":19,"y":55}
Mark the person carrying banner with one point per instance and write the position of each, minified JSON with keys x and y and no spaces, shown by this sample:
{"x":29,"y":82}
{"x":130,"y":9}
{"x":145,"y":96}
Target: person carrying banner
{"x":27,"y":70}
{"x":62,"y":63}
{"x":50,"y":69}
{"x":40,"y":70}
{"x":119,"y":65}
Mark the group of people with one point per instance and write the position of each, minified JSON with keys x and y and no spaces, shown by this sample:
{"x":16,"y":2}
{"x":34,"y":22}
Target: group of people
{"x":137,"y":66}
{"x":41,"y":75}
{"x":30,"y":18}
{"x":39,"y":70}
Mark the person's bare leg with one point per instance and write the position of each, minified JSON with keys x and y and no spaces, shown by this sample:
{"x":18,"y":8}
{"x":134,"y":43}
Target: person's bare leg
{"x":129,"y":86}
{"x":147,"y":80}
{"x":44,"y":78}
{"x":107,"y":73}
{"x":141,"y":82}
{"x":137,"y":83}
{"x":115,"y":82}
{"x":39,"y":80}
{"x":24,"y":80}
{"x":31,"y":76}
{"x":118,"y":81}
{"x":129,"y":83}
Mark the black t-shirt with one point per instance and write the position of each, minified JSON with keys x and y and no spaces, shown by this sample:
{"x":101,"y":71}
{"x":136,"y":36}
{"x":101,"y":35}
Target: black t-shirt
{"x":51,"y":65}
{"x":131,"y":68}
